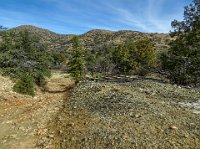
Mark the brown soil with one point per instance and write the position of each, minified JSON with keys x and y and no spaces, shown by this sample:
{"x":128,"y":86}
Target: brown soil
{"x":25,"y":120}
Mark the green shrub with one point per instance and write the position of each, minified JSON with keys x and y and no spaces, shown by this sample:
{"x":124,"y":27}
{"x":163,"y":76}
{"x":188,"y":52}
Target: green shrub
{"x":25,"y":85}
{"x":137,"y":56}
{"x":40,"y":80}
{"x":99,"y":60}
{"x":59,"y":58}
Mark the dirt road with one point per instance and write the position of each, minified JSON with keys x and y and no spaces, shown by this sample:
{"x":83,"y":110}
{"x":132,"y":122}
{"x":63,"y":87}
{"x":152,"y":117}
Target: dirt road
{"x":25,"y":121}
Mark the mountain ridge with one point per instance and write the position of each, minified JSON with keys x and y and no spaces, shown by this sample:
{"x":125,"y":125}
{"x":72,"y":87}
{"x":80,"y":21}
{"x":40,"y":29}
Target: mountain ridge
{"x":92,"y":30}
{"x":93,"y":38}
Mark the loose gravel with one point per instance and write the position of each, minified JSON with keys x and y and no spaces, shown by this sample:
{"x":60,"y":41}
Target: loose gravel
{"x":143,"y":113}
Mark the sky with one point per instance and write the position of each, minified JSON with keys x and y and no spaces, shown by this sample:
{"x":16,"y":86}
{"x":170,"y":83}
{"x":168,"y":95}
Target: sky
{"x":80,"y":16}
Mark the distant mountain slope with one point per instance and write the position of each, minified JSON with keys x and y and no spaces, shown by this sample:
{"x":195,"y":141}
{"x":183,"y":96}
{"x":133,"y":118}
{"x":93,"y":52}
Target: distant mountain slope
{"x":94,"y":38}
{"x":53,"y":40}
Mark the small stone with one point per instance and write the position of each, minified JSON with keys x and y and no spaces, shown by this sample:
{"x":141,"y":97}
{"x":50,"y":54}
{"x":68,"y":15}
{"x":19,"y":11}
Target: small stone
{"x":148,"y":92}
{"x":51,"y":136}
{"x":137,"y":115}
{"x":140,"y":89}
{"x":13,"y":136}
{"x":8,"y":122}
{"x":173,"y":127}
{"x":22,"y":128}
{"x":70,"y":124}
{"x":3,"y":98}
{"x":73,"y":138}
{"x":131,"y":113}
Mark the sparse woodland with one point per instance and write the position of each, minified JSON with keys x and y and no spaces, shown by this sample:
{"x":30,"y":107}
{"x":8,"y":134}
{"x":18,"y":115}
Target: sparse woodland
{"x":23,"y":57}
{"x":102,"y":89}
{"x":22,"y":52}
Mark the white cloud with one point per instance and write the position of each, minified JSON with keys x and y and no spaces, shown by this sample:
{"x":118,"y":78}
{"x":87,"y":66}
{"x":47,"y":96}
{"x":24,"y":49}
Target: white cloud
{"x":79,"y":15}
{"x":148,"y":20}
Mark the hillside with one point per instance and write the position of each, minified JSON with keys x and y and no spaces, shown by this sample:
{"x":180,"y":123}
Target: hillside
{"x":97,"y":38}
{"x":94,"y":38}
{"x":53,"y":40}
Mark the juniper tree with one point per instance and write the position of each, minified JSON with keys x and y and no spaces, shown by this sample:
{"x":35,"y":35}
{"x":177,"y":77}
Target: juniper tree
{"x":182,"y":60}
{"x":134,"y":56}
{"x":122,"y":59}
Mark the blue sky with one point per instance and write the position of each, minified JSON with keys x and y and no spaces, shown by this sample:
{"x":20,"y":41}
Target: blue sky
{"x":79,"y":16}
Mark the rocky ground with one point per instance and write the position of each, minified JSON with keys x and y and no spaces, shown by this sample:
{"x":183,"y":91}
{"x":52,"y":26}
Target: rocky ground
{"x":143,"y":113}
{"x":112,"y":113}
{"x":25,"y":120}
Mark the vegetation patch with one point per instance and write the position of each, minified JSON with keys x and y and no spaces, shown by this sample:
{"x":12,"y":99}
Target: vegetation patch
{"x":22,"y":53}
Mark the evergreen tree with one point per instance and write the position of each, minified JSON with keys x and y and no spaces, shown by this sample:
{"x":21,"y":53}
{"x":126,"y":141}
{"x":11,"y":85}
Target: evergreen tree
{"x":76,"y":63}
{"x":25,"y":85}
{"x":182,"y":60}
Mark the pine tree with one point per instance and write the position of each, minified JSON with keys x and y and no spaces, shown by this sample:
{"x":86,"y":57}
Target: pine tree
{"x":76,"y":63}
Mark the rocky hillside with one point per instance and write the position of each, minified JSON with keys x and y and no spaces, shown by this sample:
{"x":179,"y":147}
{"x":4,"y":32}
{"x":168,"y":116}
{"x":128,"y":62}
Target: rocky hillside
{"x":94,"y":38}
